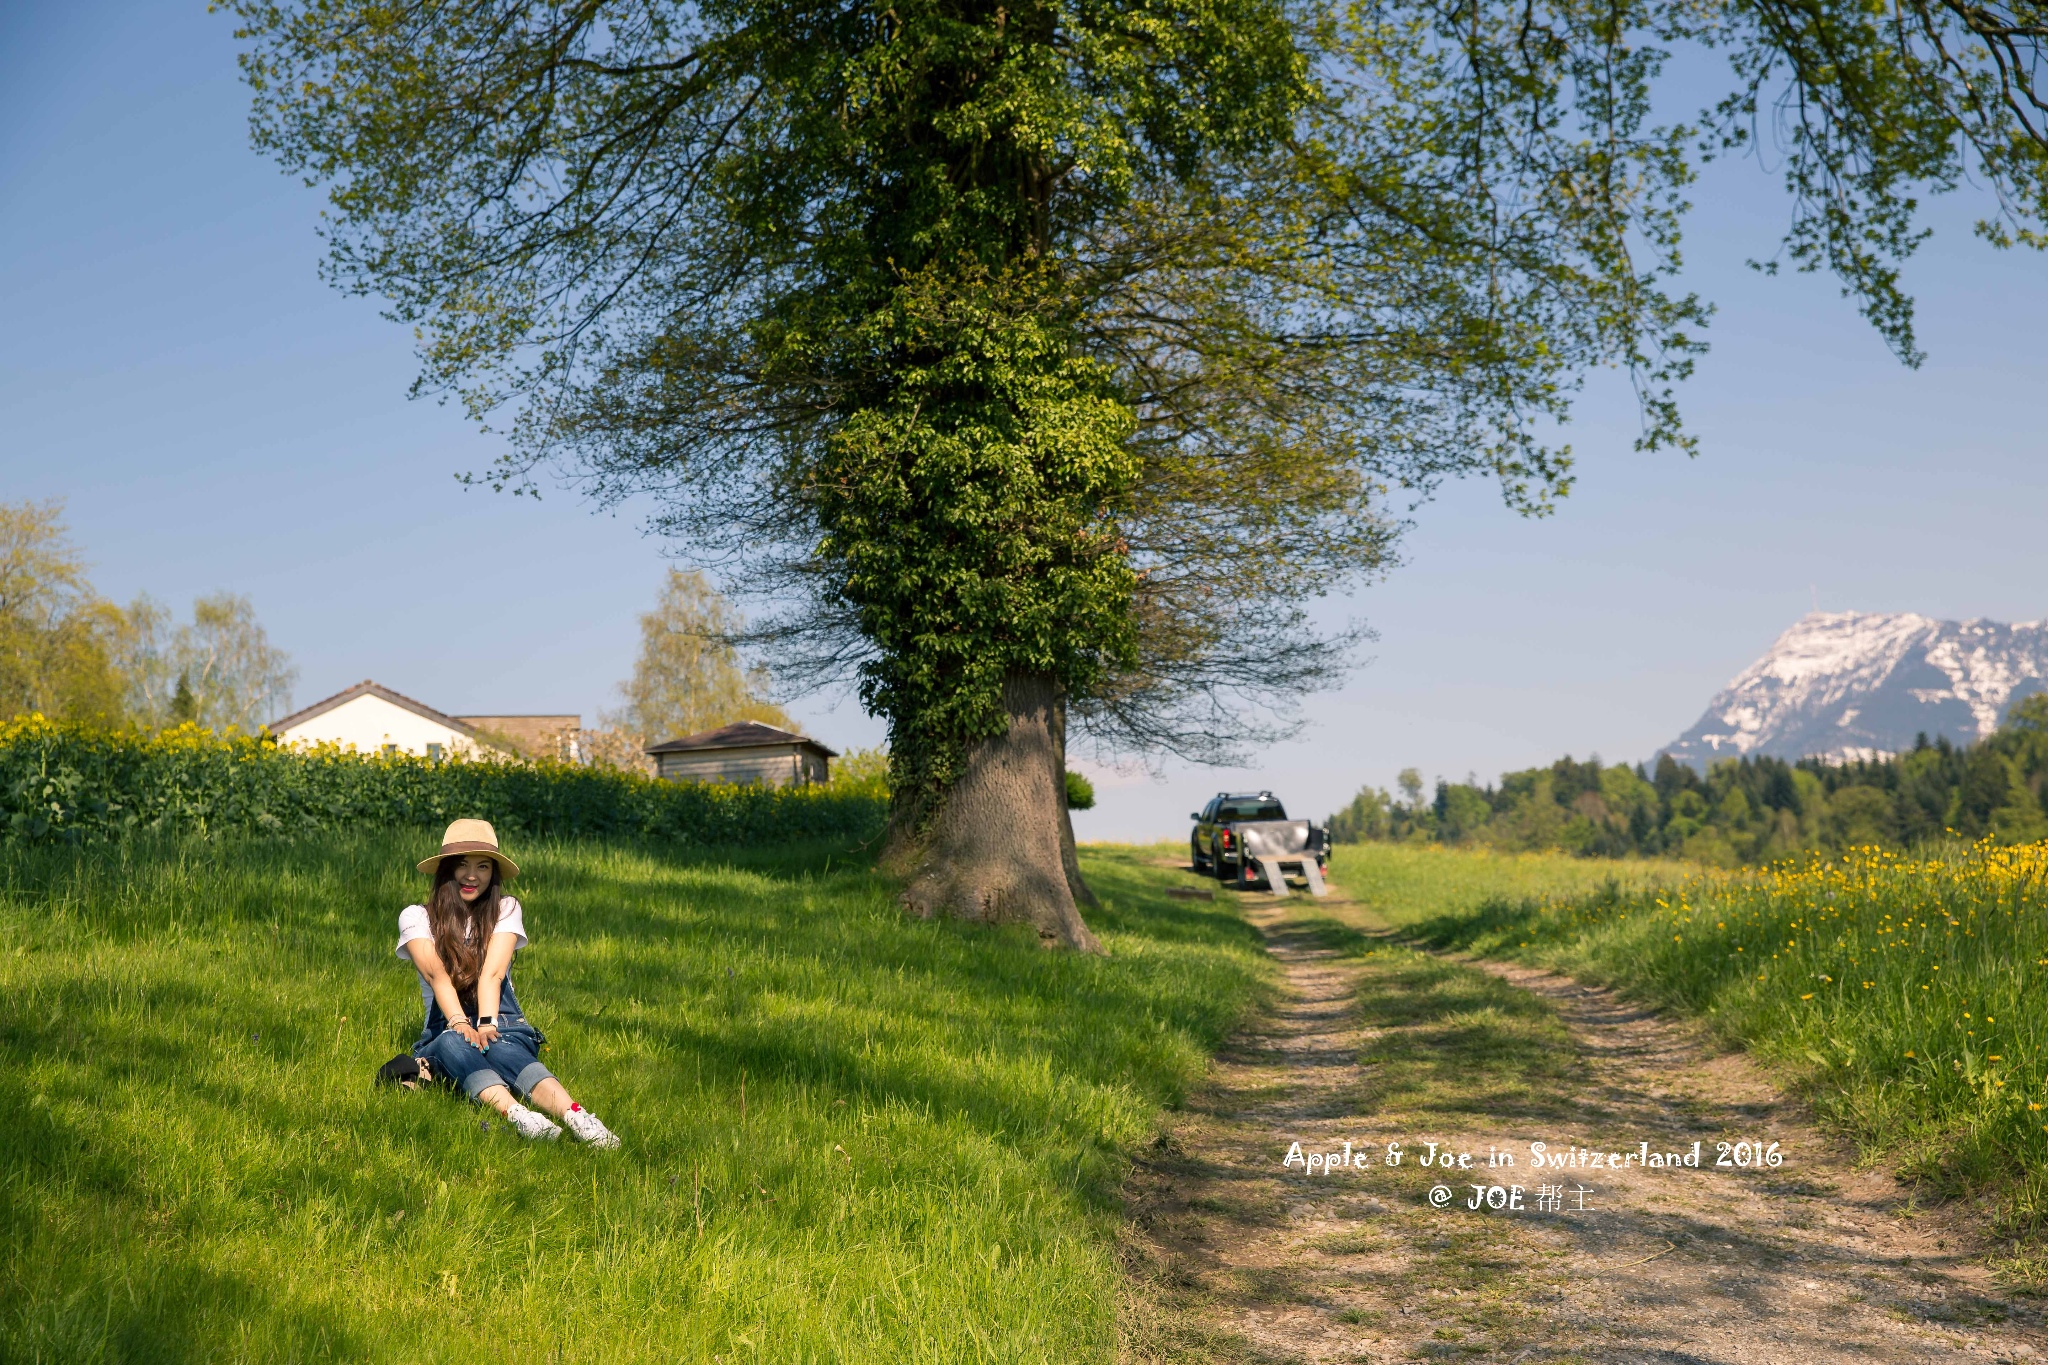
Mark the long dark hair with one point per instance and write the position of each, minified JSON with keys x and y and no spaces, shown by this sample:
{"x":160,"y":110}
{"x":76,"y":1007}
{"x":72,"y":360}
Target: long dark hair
{"x":462,"y":929}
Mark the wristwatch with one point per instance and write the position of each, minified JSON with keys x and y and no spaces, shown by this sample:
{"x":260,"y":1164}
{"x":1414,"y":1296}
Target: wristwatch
{"x":487,"y":1021}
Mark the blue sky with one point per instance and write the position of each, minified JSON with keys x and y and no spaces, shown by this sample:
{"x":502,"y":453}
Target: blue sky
{"x":216,"y":418}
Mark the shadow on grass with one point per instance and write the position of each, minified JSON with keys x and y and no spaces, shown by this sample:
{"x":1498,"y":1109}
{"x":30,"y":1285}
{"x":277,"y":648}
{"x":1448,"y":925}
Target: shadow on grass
{"x":1493,"y":924}
{"x":1448,"y":1040}
{"x":988,"y":1075}
{"x":161,"y":1304}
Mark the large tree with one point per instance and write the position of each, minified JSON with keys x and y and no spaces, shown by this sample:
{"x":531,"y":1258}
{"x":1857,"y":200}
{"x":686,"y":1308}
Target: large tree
{"x":1056,"y":354}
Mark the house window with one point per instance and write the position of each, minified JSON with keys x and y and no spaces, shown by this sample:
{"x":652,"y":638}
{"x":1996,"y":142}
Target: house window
{"x":391,"y":751}
{"x":433,"y":753}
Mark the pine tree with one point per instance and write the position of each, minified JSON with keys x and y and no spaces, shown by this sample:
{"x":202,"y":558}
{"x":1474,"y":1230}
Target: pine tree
{"x":184,"y":708}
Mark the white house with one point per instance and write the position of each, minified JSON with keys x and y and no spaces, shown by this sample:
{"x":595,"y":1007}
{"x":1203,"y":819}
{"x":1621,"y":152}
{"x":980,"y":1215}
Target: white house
{"x":746,"y":751}
{"x":373,"y":719}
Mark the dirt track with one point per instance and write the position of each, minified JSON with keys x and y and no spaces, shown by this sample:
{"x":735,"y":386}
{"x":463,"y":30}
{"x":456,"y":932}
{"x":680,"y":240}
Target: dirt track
{"x":1234,"y":1257}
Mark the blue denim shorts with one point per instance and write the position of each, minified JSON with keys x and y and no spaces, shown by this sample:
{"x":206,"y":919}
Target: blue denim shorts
{"x":511,"y":1059}
{"x":514,"y":1059}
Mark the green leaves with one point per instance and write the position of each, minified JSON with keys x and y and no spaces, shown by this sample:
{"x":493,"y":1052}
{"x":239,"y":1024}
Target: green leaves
{"x":1869,"y":108}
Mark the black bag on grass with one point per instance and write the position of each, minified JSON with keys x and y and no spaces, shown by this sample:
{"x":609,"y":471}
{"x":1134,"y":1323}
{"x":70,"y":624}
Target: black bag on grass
{"x":406,"y":1069}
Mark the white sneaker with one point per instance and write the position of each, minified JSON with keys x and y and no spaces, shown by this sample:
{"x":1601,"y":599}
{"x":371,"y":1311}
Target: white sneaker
{"x":586,"y":1127}
{"x":531,"y":1124}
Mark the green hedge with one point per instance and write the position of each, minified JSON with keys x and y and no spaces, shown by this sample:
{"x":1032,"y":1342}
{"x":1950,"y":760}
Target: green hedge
{"x":76,"y":783}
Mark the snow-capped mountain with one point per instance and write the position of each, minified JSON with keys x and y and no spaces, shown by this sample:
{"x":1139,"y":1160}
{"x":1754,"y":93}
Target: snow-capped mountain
{"x":1843,"y":685}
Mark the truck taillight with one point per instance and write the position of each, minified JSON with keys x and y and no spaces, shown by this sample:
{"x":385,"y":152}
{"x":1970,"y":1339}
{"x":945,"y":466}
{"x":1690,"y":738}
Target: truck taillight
{"x":1229,"y":840}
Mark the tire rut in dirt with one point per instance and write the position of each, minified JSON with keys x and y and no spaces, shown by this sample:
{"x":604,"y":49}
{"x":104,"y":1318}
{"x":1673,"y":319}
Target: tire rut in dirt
{"x":1232,"y":1257}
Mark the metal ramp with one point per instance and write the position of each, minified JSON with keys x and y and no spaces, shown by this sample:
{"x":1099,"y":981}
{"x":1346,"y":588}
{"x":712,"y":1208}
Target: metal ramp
{"x":1270,"y":866}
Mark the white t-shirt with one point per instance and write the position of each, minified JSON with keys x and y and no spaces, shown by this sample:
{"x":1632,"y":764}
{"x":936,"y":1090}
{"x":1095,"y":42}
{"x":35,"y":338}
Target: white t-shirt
{"x":412,"y":924}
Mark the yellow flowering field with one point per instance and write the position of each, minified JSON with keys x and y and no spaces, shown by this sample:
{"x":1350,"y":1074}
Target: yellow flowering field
{"x":1911,"y":991}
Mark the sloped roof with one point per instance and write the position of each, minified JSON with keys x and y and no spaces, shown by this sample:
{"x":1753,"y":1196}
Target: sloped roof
{"x":535,"y":736}
{"x":366,"y":688}
{"x":742,"y":734}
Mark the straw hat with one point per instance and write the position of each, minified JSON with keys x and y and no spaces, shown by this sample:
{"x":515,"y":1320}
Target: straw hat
{"x":471,"y":836}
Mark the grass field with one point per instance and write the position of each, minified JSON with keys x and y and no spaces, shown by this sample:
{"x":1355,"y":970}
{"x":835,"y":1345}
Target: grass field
{"x":848,"y":1136}
{"x":1907,"y":996}
{"x":1406,"y":884}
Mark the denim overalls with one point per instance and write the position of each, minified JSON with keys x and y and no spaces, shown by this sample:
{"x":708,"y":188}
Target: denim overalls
{"x":512,"y":1060}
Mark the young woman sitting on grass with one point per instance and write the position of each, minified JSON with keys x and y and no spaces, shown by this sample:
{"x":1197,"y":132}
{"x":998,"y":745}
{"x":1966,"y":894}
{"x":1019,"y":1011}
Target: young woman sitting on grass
{"x":461,"y":943}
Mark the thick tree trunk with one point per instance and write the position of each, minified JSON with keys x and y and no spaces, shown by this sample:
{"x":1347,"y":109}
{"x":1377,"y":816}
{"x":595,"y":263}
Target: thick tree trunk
{"x":1077,"y":885}
{"x":1070,"y":861}
{"x":992,"y":849}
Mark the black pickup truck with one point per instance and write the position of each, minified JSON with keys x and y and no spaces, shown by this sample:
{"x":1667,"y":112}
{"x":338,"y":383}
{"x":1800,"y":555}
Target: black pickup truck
{"x":1225,"y":826}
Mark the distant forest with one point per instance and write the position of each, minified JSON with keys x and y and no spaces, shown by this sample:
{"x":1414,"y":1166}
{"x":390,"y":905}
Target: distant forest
{"x":1746,"y":810}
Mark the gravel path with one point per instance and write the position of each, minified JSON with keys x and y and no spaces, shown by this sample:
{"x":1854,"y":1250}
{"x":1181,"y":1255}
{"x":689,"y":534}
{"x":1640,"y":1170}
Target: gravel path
{"x":1234,"y":1257}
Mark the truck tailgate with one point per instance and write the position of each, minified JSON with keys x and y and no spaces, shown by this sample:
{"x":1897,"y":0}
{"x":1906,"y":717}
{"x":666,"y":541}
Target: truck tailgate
{"x":1274,"y":838}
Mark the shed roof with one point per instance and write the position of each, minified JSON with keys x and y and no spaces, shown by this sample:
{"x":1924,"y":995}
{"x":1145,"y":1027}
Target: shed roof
{"x":366,"y":688}
{"x":742,"y":734}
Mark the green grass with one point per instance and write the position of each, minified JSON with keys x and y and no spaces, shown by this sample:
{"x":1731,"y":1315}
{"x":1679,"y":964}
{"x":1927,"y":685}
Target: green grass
{"x":1907,"y":997}
{"x":923,"y":1168}
{"x":1404,"y":884}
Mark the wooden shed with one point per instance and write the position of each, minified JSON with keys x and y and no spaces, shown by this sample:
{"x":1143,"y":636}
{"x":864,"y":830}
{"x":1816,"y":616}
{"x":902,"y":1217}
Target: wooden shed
{"x":746,"y":751}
